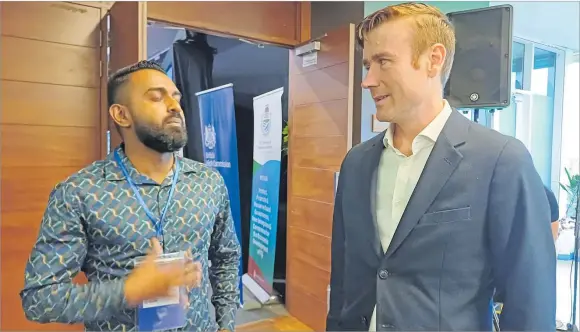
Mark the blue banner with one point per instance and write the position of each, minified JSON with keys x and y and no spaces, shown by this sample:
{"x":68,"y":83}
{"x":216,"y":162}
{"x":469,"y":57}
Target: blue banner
{"x":265,"y":187}
{"x":220,"y":146}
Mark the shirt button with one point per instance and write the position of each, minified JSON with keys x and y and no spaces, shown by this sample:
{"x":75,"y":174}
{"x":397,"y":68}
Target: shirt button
{"x":383,"y":274}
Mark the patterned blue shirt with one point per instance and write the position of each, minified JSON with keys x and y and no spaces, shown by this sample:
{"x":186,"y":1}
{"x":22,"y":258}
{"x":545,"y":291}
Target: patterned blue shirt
{"x":93,"y":223}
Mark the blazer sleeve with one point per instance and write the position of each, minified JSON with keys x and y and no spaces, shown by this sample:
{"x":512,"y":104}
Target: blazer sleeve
{"x":337,"y":258}
{"x":522,"y":249}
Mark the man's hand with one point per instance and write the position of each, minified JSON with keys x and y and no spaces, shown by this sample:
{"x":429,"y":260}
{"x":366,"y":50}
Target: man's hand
{"x":149,"y":281}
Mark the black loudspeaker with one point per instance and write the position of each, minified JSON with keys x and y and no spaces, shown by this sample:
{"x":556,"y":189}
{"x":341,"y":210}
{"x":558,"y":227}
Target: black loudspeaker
{"x":481,"y":73}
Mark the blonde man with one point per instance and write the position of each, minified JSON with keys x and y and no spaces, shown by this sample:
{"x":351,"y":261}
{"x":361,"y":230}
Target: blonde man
{"x":436,"y":212}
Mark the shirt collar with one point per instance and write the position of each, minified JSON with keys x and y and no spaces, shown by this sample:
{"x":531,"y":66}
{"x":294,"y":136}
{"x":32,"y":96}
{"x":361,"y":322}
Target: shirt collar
{"x":113,"y":171}
{"x":428,"y":136}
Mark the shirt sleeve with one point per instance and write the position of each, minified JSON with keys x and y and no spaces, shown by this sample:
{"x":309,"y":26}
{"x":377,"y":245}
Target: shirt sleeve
{"x":225,"y":254}
{"x":554,"y":208}
{"x":49,"y":295}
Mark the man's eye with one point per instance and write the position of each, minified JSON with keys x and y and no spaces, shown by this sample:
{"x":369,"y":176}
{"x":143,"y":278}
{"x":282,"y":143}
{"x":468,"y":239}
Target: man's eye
{"x":156,"y":97}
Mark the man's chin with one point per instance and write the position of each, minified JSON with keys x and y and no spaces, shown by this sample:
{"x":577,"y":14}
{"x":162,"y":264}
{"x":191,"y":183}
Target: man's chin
{"x":383,"y":115}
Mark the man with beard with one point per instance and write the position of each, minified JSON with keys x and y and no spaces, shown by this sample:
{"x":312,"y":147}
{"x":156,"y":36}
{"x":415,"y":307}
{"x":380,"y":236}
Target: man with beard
{"x":141,"y":200}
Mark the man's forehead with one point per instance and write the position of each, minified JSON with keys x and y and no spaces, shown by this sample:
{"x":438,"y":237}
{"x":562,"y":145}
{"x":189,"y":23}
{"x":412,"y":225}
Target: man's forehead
{"x":149,"y":75}
{"x":148,"y":78}
{"x":387,"y":37}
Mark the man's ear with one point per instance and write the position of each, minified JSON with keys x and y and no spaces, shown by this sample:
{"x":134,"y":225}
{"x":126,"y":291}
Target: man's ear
{"x":120,"y":115}
{"x":436,"y":59}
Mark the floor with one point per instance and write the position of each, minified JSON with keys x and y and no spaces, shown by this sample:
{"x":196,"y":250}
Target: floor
{"x":266,"y":318}
{"x":265,"y":313}
{"x":282,"y":323}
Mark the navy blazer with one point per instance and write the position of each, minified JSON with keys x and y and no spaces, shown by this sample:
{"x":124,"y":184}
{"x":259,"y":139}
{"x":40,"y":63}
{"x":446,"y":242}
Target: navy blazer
{"x":478,"y":220}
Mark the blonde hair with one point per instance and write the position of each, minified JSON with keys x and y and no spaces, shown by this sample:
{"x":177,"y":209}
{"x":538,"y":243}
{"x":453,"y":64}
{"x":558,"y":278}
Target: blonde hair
{"x":431,"y":27}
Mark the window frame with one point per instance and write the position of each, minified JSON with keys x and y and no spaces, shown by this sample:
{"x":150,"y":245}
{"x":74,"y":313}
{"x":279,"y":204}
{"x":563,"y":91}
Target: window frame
{"x":559,"y":78}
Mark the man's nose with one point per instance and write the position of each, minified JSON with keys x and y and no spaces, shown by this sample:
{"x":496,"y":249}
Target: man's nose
{"x":369,"y":79}
{"x":174,"y":106}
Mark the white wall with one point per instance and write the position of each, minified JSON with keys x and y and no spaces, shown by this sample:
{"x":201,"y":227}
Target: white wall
{"x":546,"y":22}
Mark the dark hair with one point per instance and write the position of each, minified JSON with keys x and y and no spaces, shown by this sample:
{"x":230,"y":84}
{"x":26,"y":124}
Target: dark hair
{"x":120,"y":77}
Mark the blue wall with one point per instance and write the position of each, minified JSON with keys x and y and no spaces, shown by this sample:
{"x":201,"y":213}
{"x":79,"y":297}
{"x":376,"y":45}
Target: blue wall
{"x":368,"y":105}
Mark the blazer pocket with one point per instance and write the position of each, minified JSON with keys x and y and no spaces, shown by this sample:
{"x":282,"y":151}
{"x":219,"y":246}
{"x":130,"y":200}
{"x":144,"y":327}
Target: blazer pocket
{"x":446,"y":216}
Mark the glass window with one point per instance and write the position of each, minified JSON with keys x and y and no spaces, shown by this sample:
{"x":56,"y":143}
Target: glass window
{"x":504,"y":120}
{"x":517,"y":65}
{"x":570,"y":161}
{"x":544,"y":72}
{"x":542,"y":110}
{"x":570,"y":156}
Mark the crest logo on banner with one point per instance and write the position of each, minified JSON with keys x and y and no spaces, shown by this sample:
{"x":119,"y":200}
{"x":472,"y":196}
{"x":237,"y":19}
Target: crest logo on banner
{"x":209,"y":136}
{"x":266,"y":121}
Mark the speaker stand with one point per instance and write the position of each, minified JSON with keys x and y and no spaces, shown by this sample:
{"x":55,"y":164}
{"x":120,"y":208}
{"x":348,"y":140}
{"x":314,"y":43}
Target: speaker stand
{"x":476,"y":115}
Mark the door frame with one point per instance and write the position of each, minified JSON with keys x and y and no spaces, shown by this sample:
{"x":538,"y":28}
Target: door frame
{"x":353,"y":137}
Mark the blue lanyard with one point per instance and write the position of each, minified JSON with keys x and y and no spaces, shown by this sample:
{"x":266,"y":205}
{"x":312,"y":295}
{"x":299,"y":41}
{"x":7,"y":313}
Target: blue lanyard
{"x":157,"y":223}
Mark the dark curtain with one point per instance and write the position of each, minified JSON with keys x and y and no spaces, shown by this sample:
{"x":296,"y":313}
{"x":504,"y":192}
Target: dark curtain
{"x":245,"y":136}
{"x":192,"y":72}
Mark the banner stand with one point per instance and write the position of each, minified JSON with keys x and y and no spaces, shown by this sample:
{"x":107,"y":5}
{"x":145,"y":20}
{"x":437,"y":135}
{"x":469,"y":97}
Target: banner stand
{"x":265,"y":197}
{"x":220,"y":150}
{"x":262,"y":298}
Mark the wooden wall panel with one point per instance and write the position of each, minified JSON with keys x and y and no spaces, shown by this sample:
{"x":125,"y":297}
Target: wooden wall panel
{"x":50,"y":125}
{"x":40,"y":24}
{"x":321,"y":112}
{"x":96,"y":4}
{"x":324,"y":118}
{"x":48,"y":146}
{"x":310,"y":248}
{"x":319,"y":152}
{"x":314,"y":280}
{"x":321,"y":86}
{"x":311,"y":216}
{"x":46,"y":104}
{"x":274,"y":22}
{"x":305,"y":307}
{"x":27,"y":188}
{"x":27,"y":60}
{"x":328,"y":15}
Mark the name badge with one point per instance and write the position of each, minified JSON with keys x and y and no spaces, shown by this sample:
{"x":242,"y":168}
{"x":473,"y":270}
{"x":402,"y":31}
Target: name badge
{"x":165,"y":313}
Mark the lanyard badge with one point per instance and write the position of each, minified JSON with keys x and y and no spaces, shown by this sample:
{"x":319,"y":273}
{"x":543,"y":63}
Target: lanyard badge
{"x":157,"y":222}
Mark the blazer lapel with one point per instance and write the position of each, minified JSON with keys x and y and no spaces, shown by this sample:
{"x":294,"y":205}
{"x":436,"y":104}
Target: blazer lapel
{"x":441,"y":164}
{"x":368,"y":185}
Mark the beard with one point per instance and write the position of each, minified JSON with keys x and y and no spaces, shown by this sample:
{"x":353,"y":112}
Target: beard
{"x":164,"y":138}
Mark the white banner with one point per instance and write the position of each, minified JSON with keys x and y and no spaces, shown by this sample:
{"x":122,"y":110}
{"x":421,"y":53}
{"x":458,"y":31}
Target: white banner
{"x":265,"y":187}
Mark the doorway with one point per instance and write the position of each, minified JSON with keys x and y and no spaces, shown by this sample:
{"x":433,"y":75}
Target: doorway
{"x":253,"y":69}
